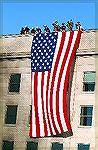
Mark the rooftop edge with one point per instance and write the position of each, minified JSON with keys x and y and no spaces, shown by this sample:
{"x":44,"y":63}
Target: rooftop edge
{"x":28,"y":35}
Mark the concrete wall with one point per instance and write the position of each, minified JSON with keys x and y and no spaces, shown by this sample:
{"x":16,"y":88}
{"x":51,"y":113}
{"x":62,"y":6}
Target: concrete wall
{"x":18,"y":47}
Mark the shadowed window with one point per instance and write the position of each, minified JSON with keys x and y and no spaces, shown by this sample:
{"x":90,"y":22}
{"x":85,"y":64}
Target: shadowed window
{"x":14,"y":84}
{"x":57,"y":146}
{"x":83,"y":146}
{"x":11,"y":114}
{"x":89,"y":81}
{"x":86,"y":116}
{"x":7,"y":145}
{"x":32,"y":145}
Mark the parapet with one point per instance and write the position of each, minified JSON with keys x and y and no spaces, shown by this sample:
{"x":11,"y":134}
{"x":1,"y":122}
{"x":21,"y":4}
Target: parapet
{"x":13,"y":45}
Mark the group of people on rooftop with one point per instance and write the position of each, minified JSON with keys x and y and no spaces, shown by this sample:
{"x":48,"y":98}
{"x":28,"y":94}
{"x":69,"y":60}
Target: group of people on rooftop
{"x":56,"y":28}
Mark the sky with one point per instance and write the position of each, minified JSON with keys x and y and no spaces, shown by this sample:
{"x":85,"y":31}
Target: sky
{"x":16,"y":15}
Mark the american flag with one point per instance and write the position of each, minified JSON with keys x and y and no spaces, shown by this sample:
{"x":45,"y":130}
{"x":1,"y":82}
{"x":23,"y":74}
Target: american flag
{"x":51,"y":58}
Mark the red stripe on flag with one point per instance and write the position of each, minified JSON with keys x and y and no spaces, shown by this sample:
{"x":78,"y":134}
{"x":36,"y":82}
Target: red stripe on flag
{"x":47,"y":88}
{"x":53,"y":79}
{"x":60,"y":76}
{"x":30,"y":132}
{"x":44,"y":119}
{"x":66,"y":82}
{"x":36,"y":104}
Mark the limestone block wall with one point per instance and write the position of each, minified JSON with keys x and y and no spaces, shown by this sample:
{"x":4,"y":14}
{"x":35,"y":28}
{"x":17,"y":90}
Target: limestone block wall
{"x":15,"y":58}
{"x":80,"y":98}
{"x":20,"y":131}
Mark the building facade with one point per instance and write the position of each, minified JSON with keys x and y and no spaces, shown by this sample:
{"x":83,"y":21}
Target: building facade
{"x":15,"y":96}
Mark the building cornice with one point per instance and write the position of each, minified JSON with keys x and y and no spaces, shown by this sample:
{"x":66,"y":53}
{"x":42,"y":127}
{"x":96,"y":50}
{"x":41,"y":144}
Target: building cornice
{"x":19,"y":46}
{"x":28,"y":55}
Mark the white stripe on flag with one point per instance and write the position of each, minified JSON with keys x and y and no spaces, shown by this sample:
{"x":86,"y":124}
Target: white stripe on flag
{"x":40,"y":113}
{"x":33,"y":109}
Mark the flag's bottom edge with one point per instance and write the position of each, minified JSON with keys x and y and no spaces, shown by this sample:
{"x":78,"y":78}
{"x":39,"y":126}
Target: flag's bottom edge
{"x":63,"y":135}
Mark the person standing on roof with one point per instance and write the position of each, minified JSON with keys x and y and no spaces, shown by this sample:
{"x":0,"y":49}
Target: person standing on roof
{"x":22,"y":30}
{"x":46,"y":29}
{"x":78,"y":26}
{"x":33,"y":31}
{"x":63,"y":27}
{"x":38,"y":30}
{"x":56,"y":26}
{"x":27,"y":29}
{"x":70,"y":25}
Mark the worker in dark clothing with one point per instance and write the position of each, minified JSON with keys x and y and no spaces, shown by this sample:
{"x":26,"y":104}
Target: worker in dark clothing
{"x":46,"y":29}
{"x":33,"y":31}
{"x":56,"y":26}
{"x":22,"y":31}
{"x":38,"y":30}
{"x":70,"y":25}
{"x":63,"y":27}
{"x":27,"y":29}
{"x":78,"y":26}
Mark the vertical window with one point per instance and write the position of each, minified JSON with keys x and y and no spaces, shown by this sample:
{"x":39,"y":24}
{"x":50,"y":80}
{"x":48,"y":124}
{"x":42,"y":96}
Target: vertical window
{"x":57,"y":146}
{"x":83,"y":146}
{"x":32,"y":145}
{"x":11,"y":114}
{"x":7,"y":145}
{"x":14,"y":84}
{"x":86,"y":116}
{"x":89,"y":81}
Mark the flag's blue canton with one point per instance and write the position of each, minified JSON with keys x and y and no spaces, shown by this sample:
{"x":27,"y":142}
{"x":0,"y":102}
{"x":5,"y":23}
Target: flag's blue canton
{"x":42,"y":52}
